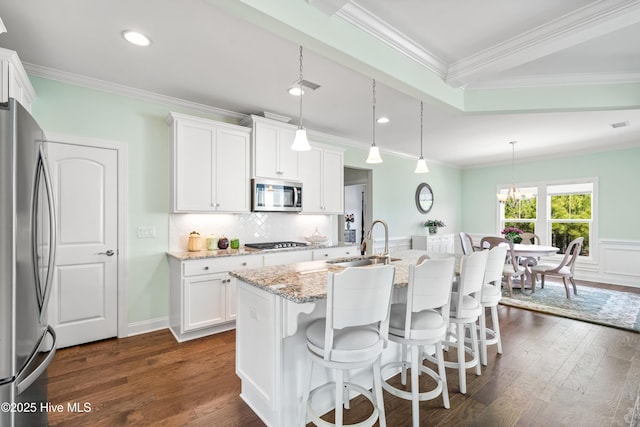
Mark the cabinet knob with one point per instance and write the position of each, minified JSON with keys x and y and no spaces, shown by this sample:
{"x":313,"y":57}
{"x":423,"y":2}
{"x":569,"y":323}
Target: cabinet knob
{"x":244,"y":264}
{"x":206,"y":267}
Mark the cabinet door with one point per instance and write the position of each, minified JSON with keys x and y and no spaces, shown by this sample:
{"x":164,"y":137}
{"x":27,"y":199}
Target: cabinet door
{"x":287,"y":158}
{"x":311,"y":176}
{"x":204,"y":301}
{"x":232,"y":171}
{"x":266,"y":150}
{"x":333,"y":182}
{"x":193,"y":155}
{"x":231,"y":298}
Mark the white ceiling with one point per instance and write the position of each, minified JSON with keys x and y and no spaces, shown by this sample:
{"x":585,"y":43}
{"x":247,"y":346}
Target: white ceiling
{"x":206,"y":52}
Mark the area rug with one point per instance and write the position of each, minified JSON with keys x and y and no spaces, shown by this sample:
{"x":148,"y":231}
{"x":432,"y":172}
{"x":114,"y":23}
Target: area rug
{"x":600,"y":306}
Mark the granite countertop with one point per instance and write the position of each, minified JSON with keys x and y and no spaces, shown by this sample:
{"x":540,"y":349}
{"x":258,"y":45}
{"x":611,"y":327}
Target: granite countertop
{"x":307,"y":281}
{"x":187,"y":255}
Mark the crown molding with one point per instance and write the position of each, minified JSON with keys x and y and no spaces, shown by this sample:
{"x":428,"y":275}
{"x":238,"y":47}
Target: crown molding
{"x":366,"y":21}
{"x":594,"y":20}
{"x":582,"y":79}
{"x":117,"y":89}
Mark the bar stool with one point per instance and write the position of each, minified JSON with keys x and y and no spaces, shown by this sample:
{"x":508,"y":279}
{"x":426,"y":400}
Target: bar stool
{"x":491,"y":295}
{"x":421,"y":321}
{"x":464,"y":313}
{"x":352,"y":335}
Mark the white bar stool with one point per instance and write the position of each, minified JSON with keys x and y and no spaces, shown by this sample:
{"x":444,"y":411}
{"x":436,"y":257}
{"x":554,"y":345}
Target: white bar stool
{"x":421,"y":321}
{"x":491,"y":295}
{"x":464,"y":313}
{"x":352,"y":335}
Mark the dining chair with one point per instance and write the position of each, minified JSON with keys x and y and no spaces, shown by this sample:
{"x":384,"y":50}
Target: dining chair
{"x":511,"y":266}
{"x":422,"y":321}
{"x":491,"y":295}
{"x":530,"y":239}
{"x":352,"y":335}
{"x":466,"y":242}
{"x":564,"y":269}
{"x":464,"y":313}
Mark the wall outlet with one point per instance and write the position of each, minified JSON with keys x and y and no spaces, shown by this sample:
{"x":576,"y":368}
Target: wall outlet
{"x":146,"y":232}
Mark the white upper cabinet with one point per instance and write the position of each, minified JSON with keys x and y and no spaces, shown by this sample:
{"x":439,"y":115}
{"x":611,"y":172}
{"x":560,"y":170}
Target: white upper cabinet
{"x":14,"y":82}
{"x":209,"y":165}
{"x":322,"y":176}
{"x":271,"y":145}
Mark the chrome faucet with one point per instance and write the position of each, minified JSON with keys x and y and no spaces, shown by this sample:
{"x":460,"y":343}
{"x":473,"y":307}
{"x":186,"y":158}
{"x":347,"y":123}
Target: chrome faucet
{"x":386,"y":236}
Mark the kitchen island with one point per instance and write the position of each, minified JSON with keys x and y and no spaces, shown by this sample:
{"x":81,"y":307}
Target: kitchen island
{"x":275,"y":306}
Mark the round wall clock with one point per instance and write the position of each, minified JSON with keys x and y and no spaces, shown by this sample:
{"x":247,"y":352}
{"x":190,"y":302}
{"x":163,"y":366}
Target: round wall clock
{"x":424,"y":198}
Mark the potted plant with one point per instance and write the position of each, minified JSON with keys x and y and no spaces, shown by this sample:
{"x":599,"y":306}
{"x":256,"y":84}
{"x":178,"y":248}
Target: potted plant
{"x":512,"y":233}
{"x":433,"y":225}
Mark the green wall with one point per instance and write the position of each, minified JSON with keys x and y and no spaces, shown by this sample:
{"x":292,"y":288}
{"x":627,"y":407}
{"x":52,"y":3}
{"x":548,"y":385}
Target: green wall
{"x":617,"y":173}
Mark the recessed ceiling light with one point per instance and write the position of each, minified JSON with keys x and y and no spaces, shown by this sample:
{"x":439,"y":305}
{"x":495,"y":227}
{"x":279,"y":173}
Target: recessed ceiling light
{"x":383,"y":120}
{"x":136,"y":38}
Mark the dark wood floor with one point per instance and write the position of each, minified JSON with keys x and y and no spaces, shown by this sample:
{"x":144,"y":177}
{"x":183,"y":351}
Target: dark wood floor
{"x":553,"y":372}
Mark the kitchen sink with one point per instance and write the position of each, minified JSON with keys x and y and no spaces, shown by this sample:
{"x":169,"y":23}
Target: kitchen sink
{"x":362,"y":261}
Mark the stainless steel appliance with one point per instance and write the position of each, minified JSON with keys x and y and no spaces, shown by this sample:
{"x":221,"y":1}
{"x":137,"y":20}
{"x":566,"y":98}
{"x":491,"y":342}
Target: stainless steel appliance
{"x":275,"y":196}
{"x":274,"y":245}
{"x":27,"y":257}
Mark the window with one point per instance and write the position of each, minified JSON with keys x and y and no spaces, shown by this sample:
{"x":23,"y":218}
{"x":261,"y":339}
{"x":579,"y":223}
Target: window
{"x":523,"y":214}
{"x":557,"y":212}
{"x":570,"y":214}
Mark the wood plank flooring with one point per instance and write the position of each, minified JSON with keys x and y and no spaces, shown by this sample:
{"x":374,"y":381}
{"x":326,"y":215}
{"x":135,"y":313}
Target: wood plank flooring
{"x":553,"y":372}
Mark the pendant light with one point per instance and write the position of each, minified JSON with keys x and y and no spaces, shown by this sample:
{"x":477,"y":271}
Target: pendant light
{"x":513,"y":195}
{"x":374,"y":152}
{"x":300,"y":142}
{"x":421,"y":167}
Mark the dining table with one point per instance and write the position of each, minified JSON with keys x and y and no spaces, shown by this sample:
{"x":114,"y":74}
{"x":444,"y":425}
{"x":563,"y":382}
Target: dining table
{"x":531,"y":252}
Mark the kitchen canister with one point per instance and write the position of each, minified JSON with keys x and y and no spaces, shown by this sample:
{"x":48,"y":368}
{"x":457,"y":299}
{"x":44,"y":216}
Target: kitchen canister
{"x":194,"y":242}
{"x":223,"y":242}
{"x":212,"y":242}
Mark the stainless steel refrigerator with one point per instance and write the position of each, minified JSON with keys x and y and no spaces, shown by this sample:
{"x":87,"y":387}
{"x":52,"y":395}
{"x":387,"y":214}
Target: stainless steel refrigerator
{"x":27,"y":257}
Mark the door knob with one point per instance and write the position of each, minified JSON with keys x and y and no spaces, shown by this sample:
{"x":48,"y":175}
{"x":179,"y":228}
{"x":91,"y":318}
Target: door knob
{"x":107,"y":253}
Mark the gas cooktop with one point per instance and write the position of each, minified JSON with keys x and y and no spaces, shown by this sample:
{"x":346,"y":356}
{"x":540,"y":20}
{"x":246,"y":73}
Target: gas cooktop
{"x":274,"y":245}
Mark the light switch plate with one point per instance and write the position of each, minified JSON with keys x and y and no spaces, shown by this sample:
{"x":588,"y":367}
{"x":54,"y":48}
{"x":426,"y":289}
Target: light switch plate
{"x":146,"y":232}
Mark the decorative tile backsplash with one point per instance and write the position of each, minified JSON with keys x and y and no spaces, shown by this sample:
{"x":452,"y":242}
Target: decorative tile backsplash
{"x":250,"y":228}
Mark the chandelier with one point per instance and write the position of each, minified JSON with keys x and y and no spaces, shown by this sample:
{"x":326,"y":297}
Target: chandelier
{"x":513,"y":195}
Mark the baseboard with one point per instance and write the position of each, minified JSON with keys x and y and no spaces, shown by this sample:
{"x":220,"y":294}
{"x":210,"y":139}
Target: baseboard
{"x":145,"y":326}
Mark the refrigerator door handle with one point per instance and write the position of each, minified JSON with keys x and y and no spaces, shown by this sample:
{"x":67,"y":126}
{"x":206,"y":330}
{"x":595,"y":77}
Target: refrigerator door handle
{"x":52,"y":233}
{"x":30,"y":377}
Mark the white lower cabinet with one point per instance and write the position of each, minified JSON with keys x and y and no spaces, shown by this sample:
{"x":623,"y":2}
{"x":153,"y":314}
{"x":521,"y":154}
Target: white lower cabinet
{"x":331,"y":253}
{"x":203,"y":295}
{"x":434,"y":243}
{"x":288,"y":257}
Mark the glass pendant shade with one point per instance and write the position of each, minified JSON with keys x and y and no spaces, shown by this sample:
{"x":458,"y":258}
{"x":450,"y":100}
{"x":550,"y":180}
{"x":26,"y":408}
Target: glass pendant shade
{"x":374,"y":152}
{"x":374,"y":155}
{"x":421,"y":167}
{"x":300,"y":142}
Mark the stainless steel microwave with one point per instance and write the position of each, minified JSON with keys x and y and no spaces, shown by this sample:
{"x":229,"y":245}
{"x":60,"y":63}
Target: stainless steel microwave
{"x":270,"y":195}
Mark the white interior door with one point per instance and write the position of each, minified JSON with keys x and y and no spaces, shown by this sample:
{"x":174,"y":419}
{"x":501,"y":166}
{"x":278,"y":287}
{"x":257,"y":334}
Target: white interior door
{"x":84,"y":298}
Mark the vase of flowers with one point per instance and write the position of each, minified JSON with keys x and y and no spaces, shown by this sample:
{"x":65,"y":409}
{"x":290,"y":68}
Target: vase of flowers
{"x":433,"y":225}
{"x":348,"y":219}
{"x":511,"y":233}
